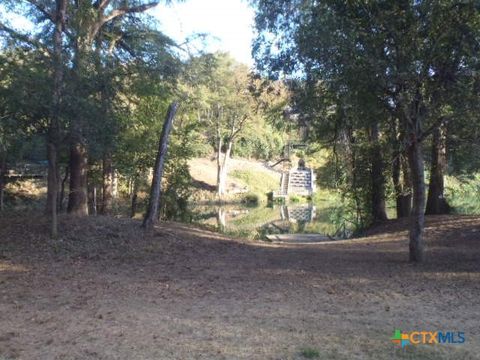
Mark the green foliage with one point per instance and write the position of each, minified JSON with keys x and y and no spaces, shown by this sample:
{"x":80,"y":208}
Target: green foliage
{"x":335,"y":215}
{"x":260,"y":141}
{"x":250,"y":199}
{"x":362,"y":66}
{"x":310,"y":353}
{"x":219,"y":93}
{"x":177,"y":192}
{"x":462,"y":193}
{"x":295,"y":198}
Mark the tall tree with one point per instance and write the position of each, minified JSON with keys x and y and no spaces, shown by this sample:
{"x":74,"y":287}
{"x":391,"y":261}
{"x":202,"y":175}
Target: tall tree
{"x":88,"y":21}
{"x":54,"y":126}
{"x":436,"y":202}
{"x":228,"y":106}
{"x":392,"y":51}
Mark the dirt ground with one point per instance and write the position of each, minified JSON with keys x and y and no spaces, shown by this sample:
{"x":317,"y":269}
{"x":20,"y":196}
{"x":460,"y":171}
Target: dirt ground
{"x":108,"y":291}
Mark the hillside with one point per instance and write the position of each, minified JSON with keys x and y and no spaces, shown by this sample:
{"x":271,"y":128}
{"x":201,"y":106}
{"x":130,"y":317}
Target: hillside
{"x":107,"y":290}
{"x":244,"y":175}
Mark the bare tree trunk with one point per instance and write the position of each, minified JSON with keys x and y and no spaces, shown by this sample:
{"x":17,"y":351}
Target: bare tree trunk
{"x":402,"y":187}
{"x":220,"y":189}
{"x":92,"y":198}
{"x":52,"y":186}
{"x":107,"y":194}
{"x":114,"y":184}
{"x":62,"y":189}
{"x":379,"y":213}
{"x":78,"y":164}
{"x":348,"y":141}
{"x":400,"y":175}
{"x":77,"y":199}
{"x":417,"y":245}
{"x":54,"y":128}
{"x":3,"y":171}
{"x":53,"y":176}
{"x":222,"y":219}
{"x":152,"y":212}
{"x":436,"y":202}
{"x":133,"y":208}
{"x":397,"y":185}
{"x":222,"y":169}
{"x":407,"y":188}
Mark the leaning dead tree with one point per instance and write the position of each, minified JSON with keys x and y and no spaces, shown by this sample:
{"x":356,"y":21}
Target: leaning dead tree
{"x":153,"y":205}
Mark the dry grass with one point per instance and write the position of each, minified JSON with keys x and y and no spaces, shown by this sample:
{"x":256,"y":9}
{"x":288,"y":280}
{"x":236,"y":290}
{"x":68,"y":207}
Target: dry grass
{"x":204,"y":174}
{"x":106,"y":290}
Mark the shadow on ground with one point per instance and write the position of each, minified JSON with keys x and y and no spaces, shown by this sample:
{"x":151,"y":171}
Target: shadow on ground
{"x":107,"y":290}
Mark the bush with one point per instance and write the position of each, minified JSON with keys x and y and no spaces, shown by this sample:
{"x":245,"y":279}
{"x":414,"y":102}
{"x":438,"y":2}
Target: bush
{"x":462,"y":194}
{"x":250,"y":199}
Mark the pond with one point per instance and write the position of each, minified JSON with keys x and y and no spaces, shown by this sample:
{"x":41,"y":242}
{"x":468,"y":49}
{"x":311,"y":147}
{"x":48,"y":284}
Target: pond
{"x":257,"y":222}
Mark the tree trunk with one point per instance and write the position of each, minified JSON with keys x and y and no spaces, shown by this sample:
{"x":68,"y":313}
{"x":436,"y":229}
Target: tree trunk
{"x":107,"y":194}
{"x":3,"y":171}
{"x":78,"y":164}
{"x":152,"y":212}
{"x":77,"y":199}
{"x":53,"y":177}
{"x":379,"y":213}
{"x":62,"y":189}
{"x":222,"y":169}
{"x":436,"y":202}
{"x":220,"y":188}
{"x":397,"y":185}
{"x":407,"y":188}
{"x":92,"y":198}
{"x":417,"y":246}
{"x":133,"y":208}
{"x":54,"y":126}
{"x":222,"y":219}
{"x":348,"y":144}
{"x":401,"y":184}
{"x":52,"y":187}
{"x":114,"y":184}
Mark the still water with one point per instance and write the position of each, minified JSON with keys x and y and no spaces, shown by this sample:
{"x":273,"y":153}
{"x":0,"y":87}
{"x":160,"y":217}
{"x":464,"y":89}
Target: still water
{"x":257,"y":222}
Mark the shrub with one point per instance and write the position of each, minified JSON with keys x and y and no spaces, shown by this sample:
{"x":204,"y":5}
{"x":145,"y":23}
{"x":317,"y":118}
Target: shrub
{"x":310,"y":353}
{"x":250,"y":199}
{"x":294,"y":198}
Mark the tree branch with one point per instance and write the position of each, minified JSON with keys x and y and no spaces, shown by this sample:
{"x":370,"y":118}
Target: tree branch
{"x":102,"y":4}
{"x":23,"y":38}
{"x":440,"y":121}
{"x":239,"y":128}
{"x":123,"y":11}
{"x":42,"y":8}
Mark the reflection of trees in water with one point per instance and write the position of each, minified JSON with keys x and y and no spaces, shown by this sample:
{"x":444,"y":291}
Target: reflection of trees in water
{"x":291,"y":218}
{"x":255,"y":223}
{"x":222,"y":219}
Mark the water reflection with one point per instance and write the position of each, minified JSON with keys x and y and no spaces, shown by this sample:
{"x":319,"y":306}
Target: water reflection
{"x":257,"y":222}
